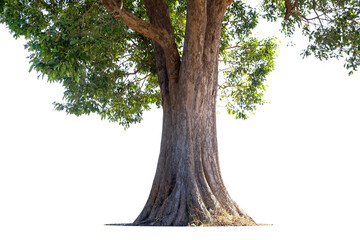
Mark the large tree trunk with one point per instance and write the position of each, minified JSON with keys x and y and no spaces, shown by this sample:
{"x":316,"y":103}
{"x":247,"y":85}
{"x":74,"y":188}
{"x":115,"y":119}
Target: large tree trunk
{"x":188,"y":187}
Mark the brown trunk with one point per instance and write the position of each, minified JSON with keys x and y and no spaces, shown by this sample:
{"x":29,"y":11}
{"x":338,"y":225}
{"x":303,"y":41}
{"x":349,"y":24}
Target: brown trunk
{"x":188,"y":187}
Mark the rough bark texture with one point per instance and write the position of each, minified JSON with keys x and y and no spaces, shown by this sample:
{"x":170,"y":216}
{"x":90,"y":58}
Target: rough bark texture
{"x":188,"y":187}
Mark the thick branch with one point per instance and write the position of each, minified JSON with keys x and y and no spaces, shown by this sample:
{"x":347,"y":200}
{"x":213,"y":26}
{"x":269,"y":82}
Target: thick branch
{"x":138,"y":25}
{"x":228,"y":2}
{"x":196,"y":20}
{"x":289,"y":7}
{"x":147,"y":29}
{"x":156,"y":33}
{"x":166,"y":56}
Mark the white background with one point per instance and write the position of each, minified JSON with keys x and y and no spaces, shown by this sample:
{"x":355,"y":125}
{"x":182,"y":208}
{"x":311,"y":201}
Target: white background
{"x":294,"y":164}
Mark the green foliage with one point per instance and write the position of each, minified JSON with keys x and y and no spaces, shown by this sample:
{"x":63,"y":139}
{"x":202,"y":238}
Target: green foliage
{"x":108,"y":69}
{"x":247,"y":61}
{"x":333,"y":27}
{"x":177,"y":10}
{"x":105,"y":67}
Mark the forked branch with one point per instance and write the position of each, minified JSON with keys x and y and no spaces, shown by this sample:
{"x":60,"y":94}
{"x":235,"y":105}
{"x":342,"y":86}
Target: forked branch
{"x":158,"y":34}
{"x":289,"y":7}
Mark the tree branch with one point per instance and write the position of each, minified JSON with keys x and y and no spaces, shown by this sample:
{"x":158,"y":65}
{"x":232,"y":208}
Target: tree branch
{"x":157,"y":33}
{"x":147,"y":29}
{"x":228,"y":2}
{"x":168,"y":57}
{"x":138,"y":25}
{"x":314,"y":5}
{"x":289,"y":7}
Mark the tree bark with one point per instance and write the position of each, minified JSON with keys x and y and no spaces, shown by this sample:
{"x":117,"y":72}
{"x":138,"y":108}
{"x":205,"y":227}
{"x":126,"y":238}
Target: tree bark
{"x":188,"y":187}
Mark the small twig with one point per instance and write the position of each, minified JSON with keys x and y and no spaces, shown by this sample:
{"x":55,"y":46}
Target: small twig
{"x":147,"y":49}
{"x":87,"y":12}
{"x":314,"y":5}
{"x":123,"y":50}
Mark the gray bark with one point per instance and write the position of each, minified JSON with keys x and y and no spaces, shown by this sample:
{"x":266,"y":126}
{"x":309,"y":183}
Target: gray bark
{"x":188,"y":187}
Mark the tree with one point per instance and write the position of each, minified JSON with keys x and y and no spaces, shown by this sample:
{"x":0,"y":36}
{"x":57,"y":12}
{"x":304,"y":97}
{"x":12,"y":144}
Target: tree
{"x":117,"y":58}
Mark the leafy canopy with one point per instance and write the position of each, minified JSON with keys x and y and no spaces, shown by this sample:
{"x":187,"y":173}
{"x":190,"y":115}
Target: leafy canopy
{"x":108,"y":69}
{"x":333,"y":26}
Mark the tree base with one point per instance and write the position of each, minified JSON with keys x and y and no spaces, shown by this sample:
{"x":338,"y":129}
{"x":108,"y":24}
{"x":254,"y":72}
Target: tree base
{"x":234,"y":224}
{"x":216,"y":222}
